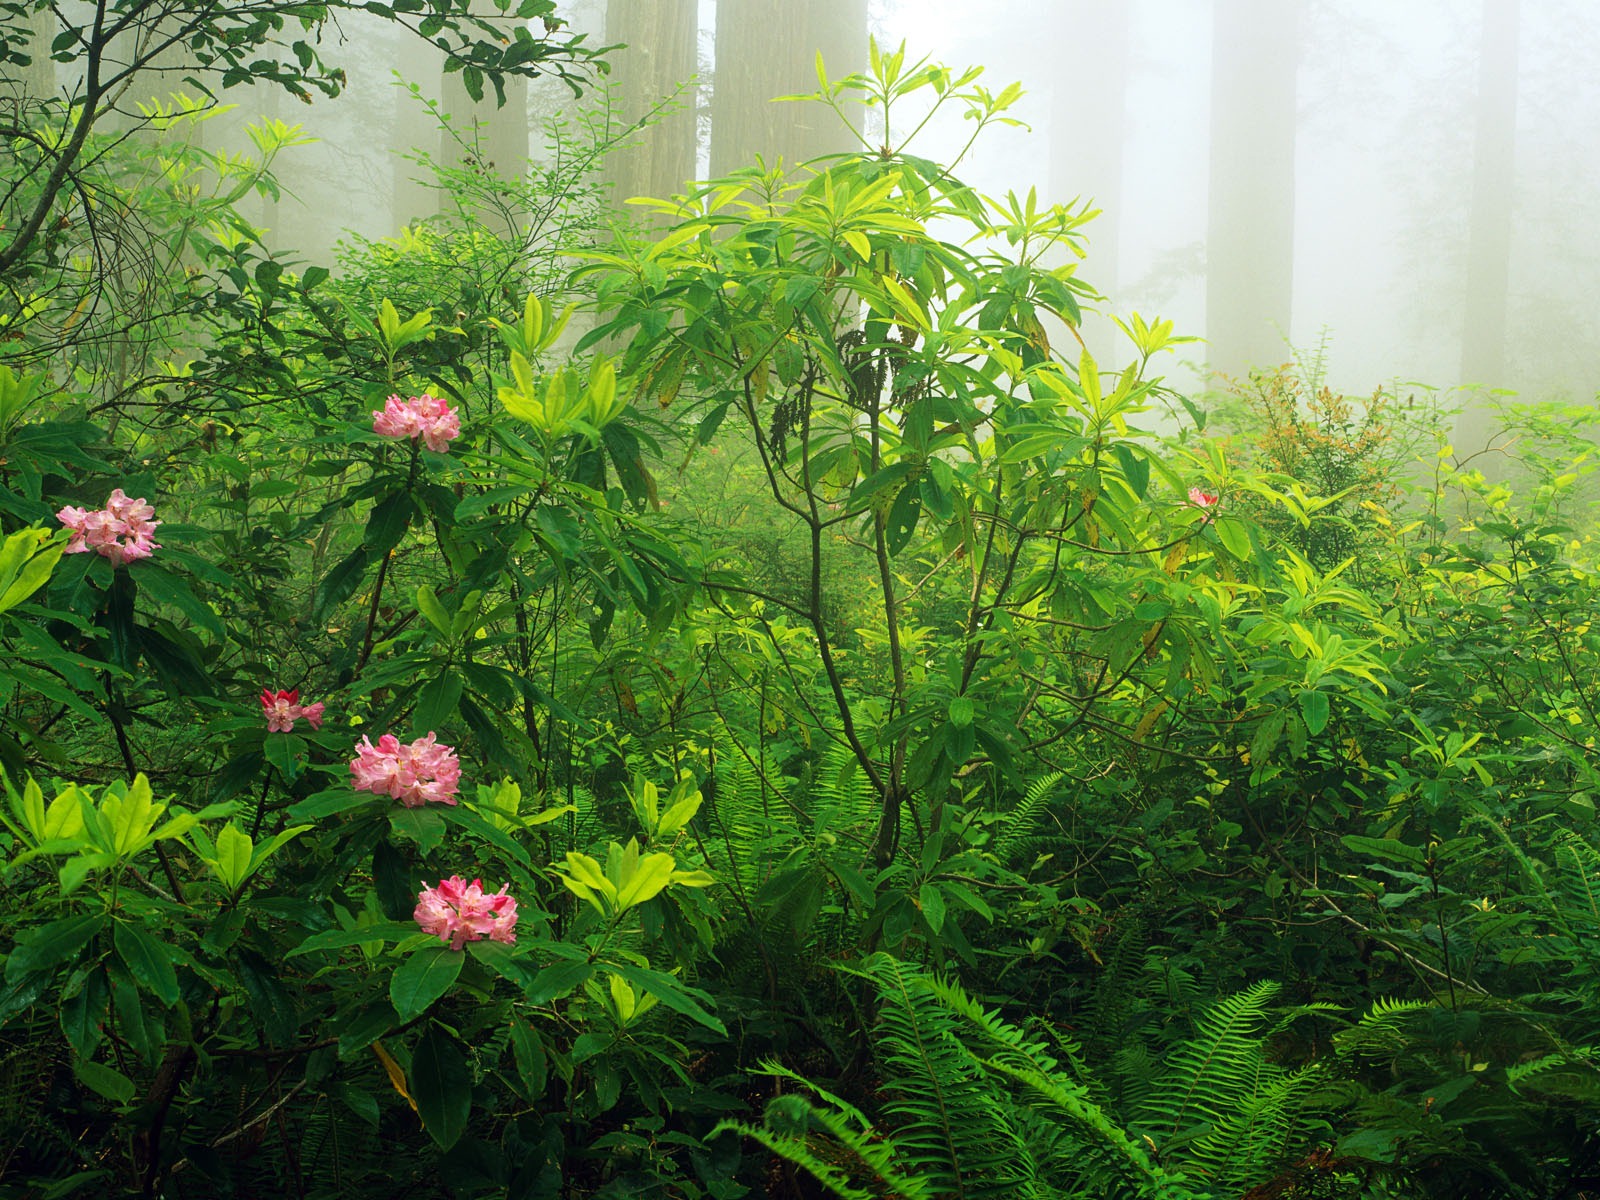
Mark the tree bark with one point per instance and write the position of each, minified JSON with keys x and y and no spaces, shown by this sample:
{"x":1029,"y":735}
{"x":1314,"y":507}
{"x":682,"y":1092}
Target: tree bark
{"x":1089,"y":124}
{"x":768,"y":48}
{"x":1483,"y":334}
{"x":1250,"y":239}
{"x":660,"y":39}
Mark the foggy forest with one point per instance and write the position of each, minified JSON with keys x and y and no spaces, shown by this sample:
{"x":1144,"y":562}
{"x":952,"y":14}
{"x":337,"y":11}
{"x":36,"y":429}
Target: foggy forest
{"x":849,"y":598}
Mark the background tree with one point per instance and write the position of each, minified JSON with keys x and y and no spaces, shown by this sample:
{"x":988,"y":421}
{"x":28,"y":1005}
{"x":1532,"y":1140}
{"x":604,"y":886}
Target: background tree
{"x":658,"y":40}
{"x":1483,"y":335}
{"x":1250,"y":237}
{"x":111,"y":43}
{"x":768,"y":48}
{"x":1089,"y":120}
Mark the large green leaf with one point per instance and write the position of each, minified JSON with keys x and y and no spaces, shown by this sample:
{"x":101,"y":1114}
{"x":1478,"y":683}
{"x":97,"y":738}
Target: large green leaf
{"x":441,"y":1084}
{"x":424,"y":976}
{"x":111,"y":1084}
{"x":26,"y":560}
{"x":53,"y":944}
{"x":672,"y":992}
{"x":147,"y":960}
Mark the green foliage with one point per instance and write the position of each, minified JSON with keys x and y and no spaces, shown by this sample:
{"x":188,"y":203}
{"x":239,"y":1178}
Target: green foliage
{"x":914,"y":777}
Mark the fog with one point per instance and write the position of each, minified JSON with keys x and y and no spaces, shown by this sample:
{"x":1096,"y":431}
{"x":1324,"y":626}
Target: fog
{"x":1401,"y":193}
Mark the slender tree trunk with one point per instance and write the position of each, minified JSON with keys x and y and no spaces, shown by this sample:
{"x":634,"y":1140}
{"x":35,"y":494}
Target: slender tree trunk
{"x":1250,"y":240}
{"x":1483,"y":335}
{"x":483,"y":138}
{"x":1088,"y":129}
{"x":768,"y":48}
{"x":37,"y":80}
{"x":660,"y":38}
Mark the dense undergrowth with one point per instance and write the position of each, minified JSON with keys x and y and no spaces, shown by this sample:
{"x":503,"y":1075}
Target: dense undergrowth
{"x":892,"y":768}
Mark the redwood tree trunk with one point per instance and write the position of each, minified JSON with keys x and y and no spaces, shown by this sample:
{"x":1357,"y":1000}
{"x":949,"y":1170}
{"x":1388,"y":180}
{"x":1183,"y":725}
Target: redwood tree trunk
{"x":768,"y":48}
{"x":1483,"y":334}
{"x":659,"y":37}
{"x":1250,"y":239}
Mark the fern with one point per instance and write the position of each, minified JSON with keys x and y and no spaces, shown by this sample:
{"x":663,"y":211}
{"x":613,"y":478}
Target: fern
{"x":1208,"y":1072}
{"x":1381,"y":1031}
{"x":1013,"y":1054}
{"x":1020,"y":821}
{"x":791,"y":1134}
{"x":941,"y":1103}
{"x":1577,"y":888}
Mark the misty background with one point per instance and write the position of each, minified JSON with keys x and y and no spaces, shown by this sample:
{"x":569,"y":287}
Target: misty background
{"x":1403,"y":193}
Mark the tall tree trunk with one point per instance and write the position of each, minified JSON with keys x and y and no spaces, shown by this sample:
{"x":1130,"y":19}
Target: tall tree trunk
{"x":1088,"y":129}
{"x":37,"y":80}
{"x":1250,"y":239}
{"x":1483,"y":334}
{"x":485,"y":139}
{"x":660,"y":37}
{"x":768,"y":48}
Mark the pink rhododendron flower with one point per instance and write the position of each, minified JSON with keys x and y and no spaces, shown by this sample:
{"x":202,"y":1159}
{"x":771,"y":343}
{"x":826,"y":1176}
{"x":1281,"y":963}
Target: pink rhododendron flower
{"x":121,"y":531}
{"x":283,"y":709}
{"x":414,"y":775}
{"x":1204,"y":501}
{"x":427,"y":417}
{"x":459,"y":912}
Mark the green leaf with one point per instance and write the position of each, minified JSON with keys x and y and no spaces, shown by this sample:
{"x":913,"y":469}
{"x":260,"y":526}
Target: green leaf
{"x":166,"y":588}
{"x":283,"y":751}
{"x":232,"y":861}
{"x":1314,"y":708}
{"x":501,"y":959}
{"x":436,"y":703}
{"x":441,"y":1084}
{"x":388,"y":522}
{"x":1385,"y":848}
{"x":26,"y":560}
{"x":558,"y":980}
{"x":650,"y":875}
{"x":339,"y":584}
{"x":1135,"y":468}
{"x":961,"y":711}
{"x":111,"y":1084}
{"x":339,"y":939}
{"x":327,"y":803}
{"x":434,"y":612}
{"x":148,"y":961}
{"x":672,"y":992}
{"x":533,"y":1065}
{"x":903,"y":516}
{"x":53,"y":944}
{"x":1235,"y":537}
{"x":366,"y":1026}
{"x":467,"y":818}
{"x":424,"y":826}
{"x":878,"y":481}
{"x":422,"y":978}
{"x":931,"y":900}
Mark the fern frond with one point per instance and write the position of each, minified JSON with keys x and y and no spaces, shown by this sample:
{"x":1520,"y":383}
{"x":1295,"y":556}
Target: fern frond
{"x":1381,"y":1030}
{"x":875,"y":1156}
{"x":1572,"y":1075}
{"x":1131,"y":1169}
{"x":1208,"y":1074}
{"x":1020,"y":821}
{"x":946,"y":1121}
{"x":1241,"y":1150}
{"x":1577,"y":886}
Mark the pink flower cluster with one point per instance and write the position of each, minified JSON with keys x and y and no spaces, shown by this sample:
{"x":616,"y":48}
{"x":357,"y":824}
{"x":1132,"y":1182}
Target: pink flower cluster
{"x":283,"y":709}
{"x":1204,"y":501}
{"x":460,"y":912}
{"x":121,"y":530}
{"x":431,"y":419}
{"x":413,"y":774}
